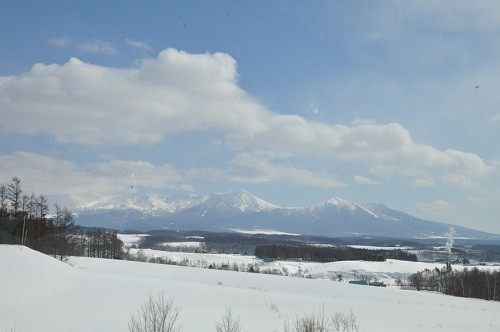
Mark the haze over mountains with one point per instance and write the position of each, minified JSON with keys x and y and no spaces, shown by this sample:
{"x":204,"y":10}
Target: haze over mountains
{"x":239,"y":210}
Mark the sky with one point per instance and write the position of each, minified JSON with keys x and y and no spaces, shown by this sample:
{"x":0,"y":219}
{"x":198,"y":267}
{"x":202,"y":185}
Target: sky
{"x":392,"y":102}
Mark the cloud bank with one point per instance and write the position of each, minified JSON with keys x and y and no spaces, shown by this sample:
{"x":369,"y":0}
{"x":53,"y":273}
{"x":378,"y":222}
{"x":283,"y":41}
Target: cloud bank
{"x":178,"y":92}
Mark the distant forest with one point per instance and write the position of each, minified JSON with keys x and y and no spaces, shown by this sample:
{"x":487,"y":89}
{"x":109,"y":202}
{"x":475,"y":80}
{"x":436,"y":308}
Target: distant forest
{"x":25,"y":219}
{"x":475,"y":283}
{"x":328,"y":254}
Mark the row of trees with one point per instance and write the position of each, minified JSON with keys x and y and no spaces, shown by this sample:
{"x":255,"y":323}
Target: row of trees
{"x":328,"y":254}
{"x":102,"y":244}
{"x":25,"y":219}
{"x":475,"y":283}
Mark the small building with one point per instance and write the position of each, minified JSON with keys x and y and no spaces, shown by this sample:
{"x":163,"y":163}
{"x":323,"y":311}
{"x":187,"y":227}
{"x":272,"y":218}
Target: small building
{"x":358,"y":282}
{"x":377,"y":284}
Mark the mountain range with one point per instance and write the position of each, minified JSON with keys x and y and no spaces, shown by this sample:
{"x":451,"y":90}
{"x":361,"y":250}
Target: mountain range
{"x":238,"y":210}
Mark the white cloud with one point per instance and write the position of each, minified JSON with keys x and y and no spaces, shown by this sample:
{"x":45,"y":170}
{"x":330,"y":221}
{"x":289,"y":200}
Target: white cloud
{"x":61,"y":42}
{"x":142,"y":45}
{"x":439,"y":208}
{"x":476,"y":200}
{"x":97,"y":47}
{"x":48,"y":175}
{"x":248,"y":168}
{"x":495,"y":118}
{"x":457,"y":180}
{"x":88,"y":104}
{"x":362,"y":121}
{"x":180,"y":92}
{"x":137,"y":173}
{"x":364,"y":180}
{"x":188,"y":188}
{"x":423,"y":183}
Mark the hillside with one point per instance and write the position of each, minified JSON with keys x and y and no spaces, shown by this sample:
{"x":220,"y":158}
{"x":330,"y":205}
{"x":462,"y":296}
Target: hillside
{"x":42,"y":294}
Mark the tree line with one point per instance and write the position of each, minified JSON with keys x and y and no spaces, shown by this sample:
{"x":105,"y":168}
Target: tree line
{"x":101,"y":244}
{"x":475,"y":283}
{"x":25,"y":219}
{"x":328,"y":254}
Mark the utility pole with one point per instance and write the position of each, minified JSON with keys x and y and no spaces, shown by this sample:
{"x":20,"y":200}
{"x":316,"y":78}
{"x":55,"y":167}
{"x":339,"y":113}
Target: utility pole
{"x":23,"y":236}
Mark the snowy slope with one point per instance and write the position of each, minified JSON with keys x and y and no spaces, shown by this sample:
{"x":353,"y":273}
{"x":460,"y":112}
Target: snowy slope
{"x":42,"y":294}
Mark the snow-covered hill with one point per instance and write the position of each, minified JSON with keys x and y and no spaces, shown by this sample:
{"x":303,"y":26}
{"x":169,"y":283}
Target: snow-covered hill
{"x":42,"y":294}
{"x":238,"y":209}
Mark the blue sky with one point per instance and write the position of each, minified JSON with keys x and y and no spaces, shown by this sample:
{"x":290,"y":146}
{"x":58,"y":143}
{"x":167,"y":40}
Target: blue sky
{"x":296,"y":102}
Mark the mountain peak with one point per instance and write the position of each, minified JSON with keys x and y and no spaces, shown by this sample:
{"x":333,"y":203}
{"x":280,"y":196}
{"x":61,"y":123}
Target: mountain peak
{"x":243,"y":201}
{"x":237,"y":208}
{"x":335,"y":202}
{"x":239,"y":192}
{"x":340,"y":202}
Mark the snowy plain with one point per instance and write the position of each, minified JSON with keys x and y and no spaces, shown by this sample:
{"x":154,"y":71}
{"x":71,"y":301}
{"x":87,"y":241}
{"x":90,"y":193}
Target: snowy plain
{"x":387,"y":272}
{"x":40,"y":293}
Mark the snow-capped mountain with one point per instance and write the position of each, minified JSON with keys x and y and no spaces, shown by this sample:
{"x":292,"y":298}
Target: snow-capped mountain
{"x":238,"y":209}
{"x":235,"y":201}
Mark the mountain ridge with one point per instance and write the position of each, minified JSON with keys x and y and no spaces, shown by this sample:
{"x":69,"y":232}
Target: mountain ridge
{"x":238,"y":209}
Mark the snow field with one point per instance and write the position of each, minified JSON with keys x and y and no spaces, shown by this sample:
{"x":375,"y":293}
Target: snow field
{"x":387,"y":272}
{"x":40,"y":293}
{"x":187,"y":244}
{"x":131,"y":239}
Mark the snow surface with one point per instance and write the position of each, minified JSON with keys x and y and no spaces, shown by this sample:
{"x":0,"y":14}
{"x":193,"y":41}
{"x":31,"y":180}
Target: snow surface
{"x":387,"y":272}
{"x":378,"y":248}
{"x":261,"y":231}
{"x":40,"y":293}
{"x":189,"y":244}
{"x":131,"y":239}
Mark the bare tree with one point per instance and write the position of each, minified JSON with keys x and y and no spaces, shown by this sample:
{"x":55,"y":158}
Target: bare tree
{"x":3,"y":201}
{"x":228,"y":323}
{"x":156,"y":315}
{"x":63,"y":227}
{"x":14,"y":195}
{"x":310,"y":323}
{"x":319,"y":322}
{"x":345,"y":322}
{"x":42,"y":207}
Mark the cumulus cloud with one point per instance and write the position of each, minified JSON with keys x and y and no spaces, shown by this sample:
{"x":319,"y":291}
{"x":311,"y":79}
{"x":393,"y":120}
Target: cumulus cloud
{"x":439,"y":208}
{"x":142,"y":45}
{"x":476,"y":200}
{"x":361,"y":180}
{"x":43,"y":173}
{"x":49,"y":175}
{"x":137,"y":173}
{"x":248,"y":168}
{"x":423,"y":183}
{"x":495,"y":118}
{"x":97,"y":47}
{"x":95,"y":105}
{"x":178,"y":92}
{"x":457,"y":180}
